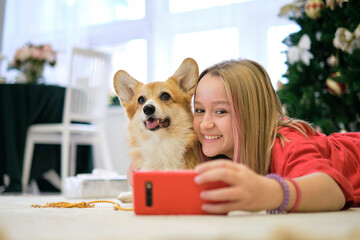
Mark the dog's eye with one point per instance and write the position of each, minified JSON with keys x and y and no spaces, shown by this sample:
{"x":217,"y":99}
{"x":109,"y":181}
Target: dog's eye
{"x":164,"y":96}
{"x":141,"y":100}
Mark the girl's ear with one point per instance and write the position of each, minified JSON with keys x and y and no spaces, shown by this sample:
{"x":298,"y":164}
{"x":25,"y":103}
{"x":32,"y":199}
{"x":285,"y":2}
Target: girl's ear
{"x":125,"y":86}
{"x":187,"y":75}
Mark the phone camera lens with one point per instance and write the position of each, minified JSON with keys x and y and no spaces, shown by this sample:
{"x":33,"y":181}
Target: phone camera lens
{"x":148,"y":188}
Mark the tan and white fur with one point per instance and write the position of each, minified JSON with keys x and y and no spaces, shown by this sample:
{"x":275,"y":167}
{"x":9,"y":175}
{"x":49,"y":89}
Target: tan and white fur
{"x":161,"y":135}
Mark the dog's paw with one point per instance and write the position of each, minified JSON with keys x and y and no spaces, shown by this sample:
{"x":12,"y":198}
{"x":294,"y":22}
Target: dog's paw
{"x":126,"y":197}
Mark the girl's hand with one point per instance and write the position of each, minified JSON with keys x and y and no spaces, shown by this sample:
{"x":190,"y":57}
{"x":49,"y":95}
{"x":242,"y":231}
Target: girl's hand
{"x":247,"y":190}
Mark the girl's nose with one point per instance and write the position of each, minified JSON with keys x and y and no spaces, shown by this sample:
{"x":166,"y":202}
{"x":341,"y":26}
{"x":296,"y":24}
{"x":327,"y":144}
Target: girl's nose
{"x":207,"y":122}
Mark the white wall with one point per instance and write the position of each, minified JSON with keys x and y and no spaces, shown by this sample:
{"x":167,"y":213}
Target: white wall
{"x":116,"y":124}
{"x":2,"y":16}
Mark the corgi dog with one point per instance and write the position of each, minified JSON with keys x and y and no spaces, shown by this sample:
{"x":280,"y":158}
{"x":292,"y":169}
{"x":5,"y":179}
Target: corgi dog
{"x":161,"y":135}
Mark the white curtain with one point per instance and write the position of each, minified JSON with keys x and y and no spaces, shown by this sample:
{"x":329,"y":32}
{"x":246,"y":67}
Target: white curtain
{"x":165,"y":36}
{"x":61,"y":23}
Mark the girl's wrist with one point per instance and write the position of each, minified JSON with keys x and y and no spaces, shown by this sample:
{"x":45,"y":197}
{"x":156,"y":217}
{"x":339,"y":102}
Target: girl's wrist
{"x":285,"y":193}
{"x":274,"y":194}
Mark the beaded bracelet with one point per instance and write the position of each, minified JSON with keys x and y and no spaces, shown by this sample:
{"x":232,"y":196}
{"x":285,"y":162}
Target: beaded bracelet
{"x":298,"y":195}
{"x":285,"y":187}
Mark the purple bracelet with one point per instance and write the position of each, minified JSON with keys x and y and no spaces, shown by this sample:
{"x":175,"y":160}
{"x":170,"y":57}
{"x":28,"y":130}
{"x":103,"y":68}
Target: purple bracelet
{"x":285,"y":187}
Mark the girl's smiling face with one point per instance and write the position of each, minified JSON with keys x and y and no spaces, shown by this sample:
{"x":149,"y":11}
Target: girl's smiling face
{"x":212,"y":117}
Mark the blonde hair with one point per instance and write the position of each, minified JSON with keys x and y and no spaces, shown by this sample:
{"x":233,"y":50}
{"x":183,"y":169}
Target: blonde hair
{"x":257,"y":113}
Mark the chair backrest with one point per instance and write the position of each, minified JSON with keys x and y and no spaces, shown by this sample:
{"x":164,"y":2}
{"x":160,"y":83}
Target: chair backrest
{"x":87,"y":93}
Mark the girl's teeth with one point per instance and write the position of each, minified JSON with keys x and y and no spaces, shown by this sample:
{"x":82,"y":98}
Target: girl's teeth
{"x":211,"y":137}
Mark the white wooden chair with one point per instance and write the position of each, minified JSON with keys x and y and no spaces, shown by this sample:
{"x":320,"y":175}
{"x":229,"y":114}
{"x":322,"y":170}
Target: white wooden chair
{"x":85,"y":103}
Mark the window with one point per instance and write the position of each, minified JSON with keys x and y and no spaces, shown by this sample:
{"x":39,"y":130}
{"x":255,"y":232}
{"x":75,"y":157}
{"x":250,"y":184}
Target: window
{"x":149,"y":39}
{"x":207,"y":47}
{"x":190,"y":5}
{"x":94,"y":12}
{"x":276,"y":56}
{"x":131,"y":57}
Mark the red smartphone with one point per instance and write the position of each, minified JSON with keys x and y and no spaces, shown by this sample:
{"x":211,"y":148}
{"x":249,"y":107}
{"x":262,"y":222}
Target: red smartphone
{"x":169,"y":192}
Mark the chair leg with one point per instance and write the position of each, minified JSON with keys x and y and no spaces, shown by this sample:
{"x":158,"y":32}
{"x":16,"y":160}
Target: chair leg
{"x":65,"y":145}
{"x":73,"y":151}
{"x":28,"y":155}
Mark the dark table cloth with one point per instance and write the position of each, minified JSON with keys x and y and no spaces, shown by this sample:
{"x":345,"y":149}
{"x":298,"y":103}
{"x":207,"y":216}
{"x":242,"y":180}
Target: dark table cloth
{"x":20,"y":106}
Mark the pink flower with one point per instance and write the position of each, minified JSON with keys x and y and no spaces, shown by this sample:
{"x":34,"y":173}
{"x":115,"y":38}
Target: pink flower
{"x":43,"y":53}
{"x":22,"y":54}
{"x":36,"y":53}
{"x":49,"y":53}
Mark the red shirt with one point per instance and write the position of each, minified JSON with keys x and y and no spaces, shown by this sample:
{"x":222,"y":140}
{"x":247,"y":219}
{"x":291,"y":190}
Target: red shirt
{"x":337,"y":155}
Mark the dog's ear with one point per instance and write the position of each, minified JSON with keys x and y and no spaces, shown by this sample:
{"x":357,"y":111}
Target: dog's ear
{"x":125,"y":85}
{"x":187,"y":75}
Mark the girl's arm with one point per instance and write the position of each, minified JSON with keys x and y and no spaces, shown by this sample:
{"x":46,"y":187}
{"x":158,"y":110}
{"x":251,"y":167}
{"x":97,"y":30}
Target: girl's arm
{"x":320,"y":192}
{"x":249,"y":191}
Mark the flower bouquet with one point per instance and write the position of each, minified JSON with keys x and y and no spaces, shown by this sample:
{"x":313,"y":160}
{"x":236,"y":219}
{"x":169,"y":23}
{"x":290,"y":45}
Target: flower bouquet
{"x":29,"y":60}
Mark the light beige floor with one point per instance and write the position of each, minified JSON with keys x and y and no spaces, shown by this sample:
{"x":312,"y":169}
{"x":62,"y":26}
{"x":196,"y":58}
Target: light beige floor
{"x":18,"y":221}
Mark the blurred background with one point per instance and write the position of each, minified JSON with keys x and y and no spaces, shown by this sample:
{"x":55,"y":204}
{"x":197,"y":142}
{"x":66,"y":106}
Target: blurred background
{"x":149,"y":39}
{"x":310,"y":48}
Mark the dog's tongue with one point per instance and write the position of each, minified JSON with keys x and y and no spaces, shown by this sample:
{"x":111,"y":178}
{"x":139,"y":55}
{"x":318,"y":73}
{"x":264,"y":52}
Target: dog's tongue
{"x":153,"y":123}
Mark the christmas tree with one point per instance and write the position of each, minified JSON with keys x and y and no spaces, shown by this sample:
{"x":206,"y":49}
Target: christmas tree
{"x":323,"y":59}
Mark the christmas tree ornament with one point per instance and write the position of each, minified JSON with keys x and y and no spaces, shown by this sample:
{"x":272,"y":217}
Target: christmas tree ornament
{"x":346,"y":40}
{"x":292,"y":9}
{"x":336,"y":88}
{"x":310,"y":88}
{"x":332,"y":3}
{"x":318,"y":35}
{"x":332,"y":61}
{"x":313,"y":8}
{"x":318,"y":129}
{"x":301,"y":51}
{"x":342,"y":128}
{"x":336,"y":43}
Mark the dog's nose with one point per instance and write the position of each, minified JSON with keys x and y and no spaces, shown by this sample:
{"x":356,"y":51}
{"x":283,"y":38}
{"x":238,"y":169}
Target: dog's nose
{"x":149,"y":109}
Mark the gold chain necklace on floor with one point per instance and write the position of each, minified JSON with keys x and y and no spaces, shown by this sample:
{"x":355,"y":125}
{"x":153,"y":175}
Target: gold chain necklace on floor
{"x":90,"y":204}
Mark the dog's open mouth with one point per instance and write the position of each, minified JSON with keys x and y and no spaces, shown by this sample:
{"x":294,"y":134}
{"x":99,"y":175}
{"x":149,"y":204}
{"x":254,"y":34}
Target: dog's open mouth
{"x":154,"y":124}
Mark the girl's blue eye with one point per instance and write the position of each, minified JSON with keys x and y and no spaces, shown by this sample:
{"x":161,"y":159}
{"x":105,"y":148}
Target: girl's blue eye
{"x":221,"y":111}
{"x":198,"y":110}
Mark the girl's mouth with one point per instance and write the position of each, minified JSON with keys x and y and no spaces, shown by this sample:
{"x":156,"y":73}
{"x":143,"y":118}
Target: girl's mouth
{"x":212,"y":137}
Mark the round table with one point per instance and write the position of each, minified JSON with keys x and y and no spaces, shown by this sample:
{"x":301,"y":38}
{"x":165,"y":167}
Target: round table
{"x":22,"y":105}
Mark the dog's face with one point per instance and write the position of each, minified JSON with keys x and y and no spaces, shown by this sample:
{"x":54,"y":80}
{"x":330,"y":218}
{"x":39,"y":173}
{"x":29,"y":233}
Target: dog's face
{"x":158,"y":105}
